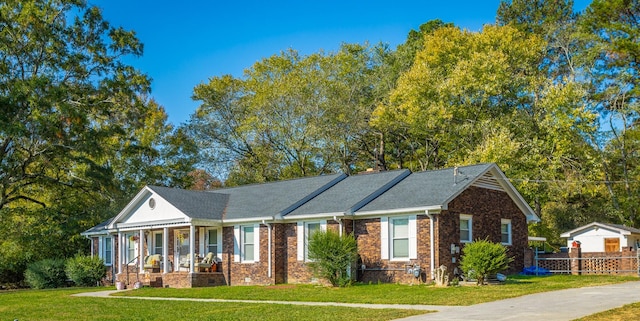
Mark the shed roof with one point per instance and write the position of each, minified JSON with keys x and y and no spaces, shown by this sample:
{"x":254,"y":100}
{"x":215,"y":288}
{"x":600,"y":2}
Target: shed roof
{"x":622,"y":229}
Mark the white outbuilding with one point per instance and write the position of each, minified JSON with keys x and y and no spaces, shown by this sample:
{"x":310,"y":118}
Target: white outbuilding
{"x":603,"y":237}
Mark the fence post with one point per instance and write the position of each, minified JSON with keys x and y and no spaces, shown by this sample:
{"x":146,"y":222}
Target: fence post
{"x":575,"y":254}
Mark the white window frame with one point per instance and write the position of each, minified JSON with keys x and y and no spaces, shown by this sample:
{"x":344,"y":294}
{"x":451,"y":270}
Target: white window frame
{"x":386,"y":238}
{"x":239,"y":243}
{"x":302,"y":234}
{"x":154,"y":244}
{"x":206,"y":242}
{"x":506,"y":222}
{"x":393,"y":237}
{"x":469,"y":218}
{"x":106,"y":250}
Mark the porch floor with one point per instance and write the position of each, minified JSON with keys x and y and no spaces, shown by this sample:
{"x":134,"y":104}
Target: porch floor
{"x":173,"y":279}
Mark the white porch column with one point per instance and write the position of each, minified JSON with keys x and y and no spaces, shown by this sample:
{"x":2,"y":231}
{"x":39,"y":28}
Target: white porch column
{"x":165,"y":250}
{"x":192,"y":247}
{"x":141,"y":242}
{"x":120,"y":247}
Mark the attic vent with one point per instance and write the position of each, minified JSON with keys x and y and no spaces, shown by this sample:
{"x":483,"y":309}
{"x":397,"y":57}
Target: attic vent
{"x":488,"y":181}
{"x":152,"y":203}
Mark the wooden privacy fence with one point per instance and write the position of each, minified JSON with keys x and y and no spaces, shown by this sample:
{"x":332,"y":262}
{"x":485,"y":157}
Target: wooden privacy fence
{"x":577,"y":263}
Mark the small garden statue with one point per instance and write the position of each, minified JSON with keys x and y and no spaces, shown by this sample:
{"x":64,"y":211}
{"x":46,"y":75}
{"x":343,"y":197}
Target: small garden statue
{"x":441,"y":275}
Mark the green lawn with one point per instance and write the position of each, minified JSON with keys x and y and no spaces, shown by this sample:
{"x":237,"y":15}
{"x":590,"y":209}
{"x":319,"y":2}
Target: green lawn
{"x":60,"y":305}
{"x":625,"y":313}
{"x":388,"y":293}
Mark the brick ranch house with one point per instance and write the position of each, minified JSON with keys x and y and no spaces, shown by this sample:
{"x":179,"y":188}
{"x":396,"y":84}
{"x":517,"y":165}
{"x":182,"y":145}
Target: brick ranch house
{"x":402,"y":221}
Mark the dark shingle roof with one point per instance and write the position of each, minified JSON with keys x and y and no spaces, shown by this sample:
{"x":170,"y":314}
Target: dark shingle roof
{"x":427,"y":188}
{"x":98,"y":229}
{"x":327,"y":194}
{"x":277,"y":198}
{"x":195,"y":204}
{"x":351,"y":193}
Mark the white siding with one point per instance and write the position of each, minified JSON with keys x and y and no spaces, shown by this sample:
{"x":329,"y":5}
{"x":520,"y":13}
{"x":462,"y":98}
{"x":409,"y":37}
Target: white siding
{"x":142,"y":213}
{"x":592,"y":240}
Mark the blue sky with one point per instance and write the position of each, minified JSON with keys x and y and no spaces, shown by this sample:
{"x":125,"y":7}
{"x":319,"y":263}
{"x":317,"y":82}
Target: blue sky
{"x":188,"y":42}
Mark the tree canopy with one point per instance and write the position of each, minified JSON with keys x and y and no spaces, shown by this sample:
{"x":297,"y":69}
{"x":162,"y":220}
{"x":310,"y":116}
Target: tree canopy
{"x":78,"y":131}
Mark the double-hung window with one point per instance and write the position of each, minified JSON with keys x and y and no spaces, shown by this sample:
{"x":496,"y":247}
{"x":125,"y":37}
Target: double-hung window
{"x":398,"y":238}
{"x":505,"y":231}
{"x":466,"y":230}
{"x":246,"y":243}
{"x":304,"y":232}
{"x":107,"y":250}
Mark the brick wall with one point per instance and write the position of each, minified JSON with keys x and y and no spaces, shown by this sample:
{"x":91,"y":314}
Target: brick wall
{"x":487,"y":208}
{"x":367,"y":233}
{"x":240,"y":273}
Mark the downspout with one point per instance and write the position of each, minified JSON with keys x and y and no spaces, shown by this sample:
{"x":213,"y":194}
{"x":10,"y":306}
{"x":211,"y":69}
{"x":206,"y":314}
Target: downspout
{"x":90,"y":243}
{"x":339,"y":220}
{"x":432,"y":255}
{"x":268,"y":247}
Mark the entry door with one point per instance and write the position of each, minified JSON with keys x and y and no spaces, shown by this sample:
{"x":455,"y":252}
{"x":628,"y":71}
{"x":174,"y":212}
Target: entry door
{"x":181,"y":252}
{"x":612,"y":245}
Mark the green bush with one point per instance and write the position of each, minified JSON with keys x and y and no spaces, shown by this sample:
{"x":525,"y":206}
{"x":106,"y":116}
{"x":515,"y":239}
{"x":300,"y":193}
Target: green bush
{"x":482,"y":258}
{"x":85,"y":270}
{"x":332,"y":255}
{"x":45,"y":274}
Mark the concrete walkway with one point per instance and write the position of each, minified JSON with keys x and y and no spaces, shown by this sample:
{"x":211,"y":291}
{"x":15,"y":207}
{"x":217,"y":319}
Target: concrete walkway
{"x":561,"y":305}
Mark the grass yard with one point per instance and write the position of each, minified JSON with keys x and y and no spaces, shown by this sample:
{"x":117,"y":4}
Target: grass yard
{"x":625,"y":313}
{"x":58,"y":304}
{"x":388,"y":293}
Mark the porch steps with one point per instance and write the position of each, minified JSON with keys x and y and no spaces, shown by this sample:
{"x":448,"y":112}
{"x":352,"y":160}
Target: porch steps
{"x":157,"y":283}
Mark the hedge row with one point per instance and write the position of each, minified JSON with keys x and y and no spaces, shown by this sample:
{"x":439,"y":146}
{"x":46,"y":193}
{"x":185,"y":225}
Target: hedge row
{"x":54,"y":273}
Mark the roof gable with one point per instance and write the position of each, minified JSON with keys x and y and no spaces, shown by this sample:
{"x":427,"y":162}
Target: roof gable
{"x":621,"y":229}
{"x":163,"y":205}
{"x":194,"y":204}
{"x":435,"y":189}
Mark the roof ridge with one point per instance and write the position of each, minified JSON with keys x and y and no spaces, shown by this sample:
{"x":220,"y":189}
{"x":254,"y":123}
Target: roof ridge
{"x":313,"y":194}
{"x":272,"y":182}
{"x":379,"y":191}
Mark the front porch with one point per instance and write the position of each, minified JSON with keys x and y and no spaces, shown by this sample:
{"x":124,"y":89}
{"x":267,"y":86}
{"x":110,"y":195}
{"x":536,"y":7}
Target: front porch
{"x":169,"y":257}
{"x":172,"y":280}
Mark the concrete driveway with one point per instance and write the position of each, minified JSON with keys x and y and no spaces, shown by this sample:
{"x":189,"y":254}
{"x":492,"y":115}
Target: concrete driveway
{"x":561,"y":305}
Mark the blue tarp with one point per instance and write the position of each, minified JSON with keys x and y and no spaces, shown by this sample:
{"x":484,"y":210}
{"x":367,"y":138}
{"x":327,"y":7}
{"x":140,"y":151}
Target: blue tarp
{"x":532,"y":270}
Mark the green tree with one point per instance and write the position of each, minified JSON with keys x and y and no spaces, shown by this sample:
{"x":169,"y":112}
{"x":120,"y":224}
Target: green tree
{"x":78,"y":133}
{"x":610,"y":61}
{"x":332,"y":255}
{"x":483,"y":258}
{"x":288,"y":116}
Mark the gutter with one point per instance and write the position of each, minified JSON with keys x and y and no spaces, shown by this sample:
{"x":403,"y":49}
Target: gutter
{"x":432,"y":246}
{"x":269,"y":247}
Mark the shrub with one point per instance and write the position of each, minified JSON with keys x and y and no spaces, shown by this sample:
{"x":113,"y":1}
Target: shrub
{"x":85,"y":270}
{"x":482,"y":258}
{"x":332,"y":255}
{"x":45,"y":274}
